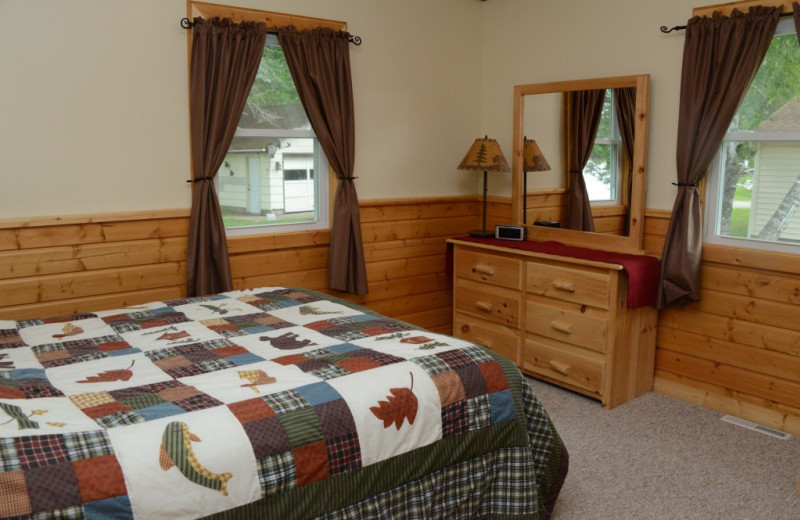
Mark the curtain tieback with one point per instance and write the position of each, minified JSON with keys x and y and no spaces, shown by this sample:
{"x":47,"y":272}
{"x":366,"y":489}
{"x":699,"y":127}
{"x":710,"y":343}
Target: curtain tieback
{"x":347,"y":178}
{"x":200,"y":179}
{"x":685,"y":184}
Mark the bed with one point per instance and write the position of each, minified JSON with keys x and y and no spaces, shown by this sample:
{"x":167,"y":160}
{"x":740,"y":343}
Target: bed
{"x":265,"y":403}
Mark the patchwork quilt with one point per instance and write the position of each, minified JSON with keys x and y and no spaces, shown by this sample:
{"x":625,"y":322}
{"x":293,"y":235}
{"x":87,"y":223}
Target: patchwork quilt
{"x":271,"y":401}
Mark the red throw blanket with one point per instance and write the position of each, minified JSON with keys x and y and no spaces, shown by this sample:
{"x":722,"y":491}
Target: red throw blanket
{"x":643,"y":271}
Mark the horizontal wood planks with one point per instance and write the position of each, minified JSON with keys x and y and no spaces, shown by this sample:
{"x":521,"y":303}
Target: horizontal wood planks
{"x":54,"y":266}
{"x":737,"y":350}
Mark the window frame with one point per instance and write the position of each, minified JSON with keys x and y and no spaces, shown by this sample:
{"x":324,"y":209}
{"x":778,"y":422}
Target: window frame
{"x":274,"y":21}
{"x":616,"y":162}
{"x":713,"y":194}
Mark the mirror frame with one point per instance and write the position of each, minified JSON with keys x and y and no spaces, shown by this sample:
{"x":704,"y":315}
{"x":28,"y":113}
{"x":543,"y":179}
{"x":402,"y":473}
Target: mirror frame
{"x":634,"y":241}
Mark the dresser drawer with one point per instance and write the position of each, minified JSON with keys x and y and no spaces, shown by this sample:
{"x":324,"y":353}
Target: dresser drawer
{"x":583,"y":285}
{"x":498,"y":338}
{"x":568,"y":322}
{"x":484,"y":301}
{"x":564,"y":363}
{"x":489,"y":268}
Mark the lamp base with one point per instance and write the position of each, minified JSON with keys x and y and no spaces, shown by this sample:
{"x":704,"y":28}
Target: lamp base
{"x":481,"y":233}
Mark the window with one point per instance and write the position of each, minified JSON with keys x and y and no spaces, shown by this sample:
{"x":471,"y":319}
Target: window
{"x":601,"y":172}
{"x":267,"y":183}
{"x":754,"y":184}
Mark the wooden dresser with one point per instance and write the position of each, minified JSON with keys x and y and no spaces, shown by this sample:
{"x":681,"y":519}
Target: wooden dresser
{"x":561,"y":319}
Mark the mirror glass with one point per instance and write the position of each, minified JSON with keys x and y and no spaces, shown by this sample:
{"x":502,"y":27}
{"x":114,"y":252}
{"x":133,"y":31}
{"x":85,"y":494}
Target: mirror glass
{"x":616,"y":200}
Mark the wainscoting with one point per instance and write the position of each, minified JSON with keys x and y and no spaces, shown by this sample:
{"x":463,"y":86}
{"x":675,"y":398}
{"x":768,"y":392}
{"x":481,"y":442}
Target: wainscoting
{"x":737,"y":350}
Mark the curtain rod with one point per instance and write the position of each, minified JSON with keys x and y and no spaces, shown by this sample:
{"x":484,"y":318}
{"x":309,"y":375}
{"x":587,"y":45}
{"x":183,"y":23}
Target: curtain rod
{"x":666,"y":30}
{"x":188,"y":24}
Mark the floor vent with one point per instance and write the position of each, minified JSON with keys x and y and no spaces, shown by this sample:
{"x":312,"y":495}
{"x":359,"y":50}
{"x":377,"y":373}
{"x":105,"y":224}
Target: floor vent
{"x":766,"y":430}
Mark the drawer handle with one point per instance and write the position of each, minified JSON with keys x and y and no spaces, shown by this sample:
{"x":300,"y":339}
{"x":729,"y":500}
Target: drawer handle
{"x":482,"y":342}
{"x":483,"y":269}
{"x":560,"y":367}
{"x":562,"y":326}
{"x":484,"y":306}
{"x":563,"y":286}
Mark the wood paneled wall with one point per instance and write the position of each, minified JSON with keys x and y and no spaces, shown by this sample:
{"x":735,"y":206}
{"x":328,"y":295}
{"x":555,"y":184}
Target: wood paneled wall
{"x":737,"y":350}
{"x":84,"y":263}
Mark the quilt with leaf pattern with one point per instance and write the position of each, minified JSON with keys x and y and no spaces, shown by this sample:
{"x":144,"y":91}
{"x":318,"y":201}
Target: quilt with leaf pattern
{"x":271,"y":402}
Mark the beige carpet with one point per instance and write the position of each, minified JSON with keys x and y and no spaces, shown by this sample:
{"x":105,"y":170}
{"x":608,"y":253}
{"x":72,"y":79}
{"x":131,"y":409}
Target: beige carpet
{"x":660,"y":458}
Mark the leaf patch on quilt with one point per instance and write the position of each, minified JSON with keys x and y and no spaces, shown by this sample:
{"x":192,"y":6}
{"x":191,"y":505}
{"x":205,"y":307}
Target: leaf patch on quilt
{"x":401,"y":405}
{"x":176,"y":450}
{"x":111,"y":375}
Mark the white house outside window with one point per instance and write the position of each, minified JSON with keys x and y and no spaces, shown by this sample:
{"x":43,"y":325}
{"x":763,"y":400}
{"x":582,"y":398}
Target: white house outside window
{"x":267,"y":182}
{"x":754,"y":185}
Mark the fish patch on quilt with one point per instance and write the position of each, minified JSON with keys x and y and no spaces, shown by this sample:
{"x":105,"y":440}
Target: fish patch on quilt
{"x":214,"y":402}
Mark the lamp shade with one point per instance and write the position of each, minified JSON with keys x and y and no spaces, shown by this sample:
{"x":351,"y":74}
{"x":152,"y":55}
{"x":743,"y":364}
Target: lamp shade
{"x":532,"y":158}
{"x":484,"y":155}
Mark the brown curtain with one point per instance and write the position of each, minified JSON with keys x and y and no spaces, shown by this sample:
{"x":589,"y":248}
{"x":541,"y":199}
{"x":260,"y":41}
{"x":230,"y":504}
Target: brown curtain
{"x":721,"y":56}
{"x":224,"y":63}
{"x":585,"y":111}
{"x":626,"y":119}
{"x":796,"y":11}
{"x":319,"y":60}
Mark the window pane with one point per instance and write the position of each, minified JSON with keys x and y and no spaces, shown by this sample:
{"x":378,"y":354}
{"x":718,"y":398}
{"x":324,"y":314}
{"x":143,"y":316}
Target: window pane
{"x":598,"y":173}
{"x":267,"y":178}
{"x":756,"y":185}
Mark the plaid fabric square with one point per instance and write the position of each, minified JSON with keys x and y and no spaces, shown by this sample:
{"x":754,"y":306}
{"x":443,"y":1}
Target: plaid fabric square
{"x":286,"y":401}
{"x":344,"y":453}
{"x":52,"y":487}
{"x":479,"y":412}
{"x":454,"y":419}
{"x":121,"y":418}
{"x":129,"y":322}
{"x":350,"y":328}
{"x":142,"y":403}
{"x":277,"y":473}
{"x":246,"y":324}
{"x":472,"y":379}
{"x":302,"y":426}
{"x":10,"y":338}
{"x":41,"y":450}
{"x":27,"y":383}
{"x":477,"y":354}
{"x":327,"y":371}
{"x":432,"y":365}
{"x":455,"y":358}
{"x":76,"y":351}
{"x":311,"y":462}
{"x":9,"y":460}
{"x":99,"y":478}
{"x":198,"y":358}
{"x":15,"y":500}
{"x":85,"y":445}
{"x":267,"y":437}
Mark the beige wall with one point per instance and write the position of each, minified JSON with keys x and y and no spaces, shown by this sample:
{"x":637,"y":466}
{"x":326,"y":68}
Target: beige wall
{"x":94,"y":104}
{"x":553,"y":40}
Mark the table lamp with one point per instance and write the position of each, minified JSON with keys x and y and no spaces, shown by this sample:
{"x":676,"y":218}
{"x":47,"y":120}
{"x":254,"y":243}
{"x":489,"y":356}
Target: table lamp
{"x":484,"y":155}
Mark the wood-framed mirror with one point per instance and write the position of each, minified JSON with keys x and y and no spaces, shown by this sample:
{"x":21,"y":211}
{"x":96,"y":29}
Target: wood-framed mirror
{"x":618,"y":218}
